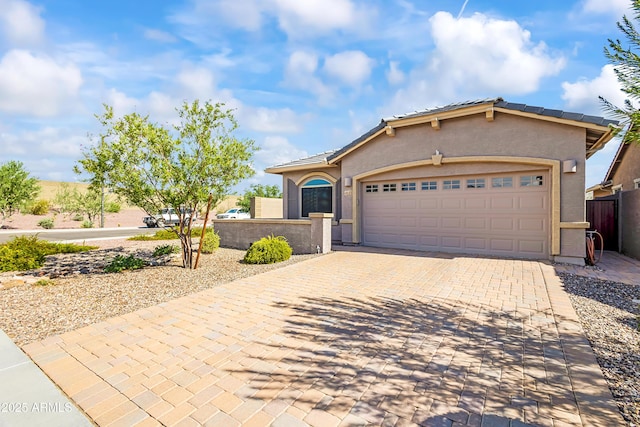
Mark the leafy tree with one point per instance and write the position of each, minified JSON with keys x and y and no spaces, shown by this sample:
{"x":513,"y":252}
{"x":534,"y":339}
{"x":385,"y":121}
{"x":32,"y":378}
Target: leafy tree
{"x":626,"y":62}
{"x":258,"y":190}
{"x":16,"y":188}
{"x":152,"y":167}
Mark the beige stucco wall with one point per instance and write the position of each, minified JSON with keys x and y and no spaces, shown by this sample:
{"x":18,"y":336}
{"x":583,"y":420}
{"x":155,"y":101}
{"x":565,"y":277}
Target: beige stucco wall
{"x":507,"y":135}
{"x":629,"y":168}
{"x":266,"y":207}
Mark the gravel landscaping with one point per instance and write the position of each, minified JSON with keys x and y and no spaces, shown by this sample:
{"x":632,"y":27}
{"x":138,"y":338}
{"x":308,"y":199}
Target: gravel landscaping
{"x":609,"y":317}
{"x":75,"y":299}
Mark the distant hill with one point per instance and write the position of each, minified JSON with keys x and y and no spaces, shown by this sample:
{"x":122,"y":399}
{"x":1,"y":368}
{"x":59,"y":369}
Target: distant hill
{"x":50,"y":188}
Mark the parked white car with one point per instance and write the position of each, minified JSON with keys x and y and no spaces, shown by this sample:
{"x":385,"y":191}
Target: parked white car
{"x":235,"y":213}
{"x":166,"y":217}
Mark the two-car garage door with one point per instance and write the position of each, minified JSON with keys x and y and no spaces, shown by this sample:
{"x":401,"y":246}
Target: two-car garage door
{"x":505,"y":214}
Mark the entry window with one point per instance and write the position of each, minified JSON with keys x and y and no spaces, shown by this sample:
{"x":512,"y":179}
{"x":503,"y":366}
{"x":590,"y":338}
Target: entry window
{"x":475,"y":183}
{"x":386,"y":188}
{"x":317,"y":196}
{"x":371,"y":188}
{"x":451,"y":184}
{"x":503,"y":182}
{"x":408,"y":186}
{"x":531,"y":181}
{"x":429,"y":185}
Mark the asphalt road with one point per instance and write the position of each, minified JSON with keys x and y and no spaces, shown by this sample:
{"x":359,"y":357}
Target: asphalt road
{"x":78,"y":234}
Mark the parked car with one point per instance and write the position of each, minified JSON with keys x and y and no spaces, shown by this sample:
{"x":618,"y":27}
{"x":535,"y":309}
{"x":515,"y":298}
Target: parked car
{"x":167,"y":216}
{"x":235,"y":213}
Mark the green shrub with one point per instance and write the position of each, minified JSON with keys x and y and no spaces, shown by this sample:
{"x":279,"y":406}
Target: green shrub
{"x":78,"y":217}
{"x":210,"y":242}
{"x":43,"y":282}
{"x":268,"y":250}
{"x":87,"y":224}
{"x":40,"y":207}
{"x":120,"y":263}
{"x":12,"y":259}
{"x":46,"y":223}
{"x":28,"y":252}
{"x":165,"y":250}
{"x":159,"y":235}
{"x":112,"y":207}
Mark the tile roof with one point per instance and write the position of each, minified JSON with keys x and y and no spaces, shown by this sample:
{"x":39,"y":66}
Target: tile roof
{"x":497,"y":103}
{"x":316,"y":158}
{"x":501,"y":103}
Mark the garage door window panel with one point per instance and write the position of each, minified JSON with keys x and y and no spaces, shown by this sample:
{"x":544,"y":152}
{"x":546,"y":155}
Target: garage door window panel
{"x":451,"y":184}
{"x":476,"y":183}
{"x":408,"y":186}
{"x":531,"y":181}
{"x":429,"y":185}
{"x":388,"y":188}
{"x":502,"y":182}
{"x":317,"y":196}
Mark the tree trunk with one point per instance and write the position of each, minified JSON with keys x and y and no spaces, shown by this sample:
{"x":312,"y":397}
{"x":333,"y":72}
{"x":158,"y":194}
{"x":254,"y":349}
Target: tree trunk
{"x":185,"y":242}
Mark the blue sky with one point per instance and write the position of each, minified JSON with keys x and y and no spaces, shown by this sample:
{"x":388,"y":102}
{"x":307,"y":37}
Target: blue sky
{"x":305,"y":76}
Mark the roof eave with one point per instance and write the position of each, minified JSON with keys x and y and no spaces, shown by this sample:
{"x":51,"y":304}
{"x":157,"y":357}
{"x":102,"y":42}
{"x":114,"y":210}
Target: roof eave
{"x":293,"y":168}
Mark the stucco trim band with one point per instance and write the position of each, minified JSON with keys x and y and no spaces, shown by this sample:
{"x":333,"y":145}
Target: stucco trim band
{"x":575,"y":225}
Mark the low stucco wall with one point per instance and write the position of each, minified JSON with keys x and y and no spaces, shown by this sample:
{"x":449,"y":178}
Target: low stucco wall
{"x":630,"y":221}
{"x":304,"y":235}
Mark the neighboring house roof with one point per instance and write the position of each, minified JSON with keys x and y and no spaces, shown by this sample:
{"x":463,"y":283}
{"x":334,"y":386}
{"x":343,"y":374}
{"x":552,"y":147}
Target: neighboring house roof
{"x":617,"y":159}
{"x":613,"y":168}
{"x":598,"y":130}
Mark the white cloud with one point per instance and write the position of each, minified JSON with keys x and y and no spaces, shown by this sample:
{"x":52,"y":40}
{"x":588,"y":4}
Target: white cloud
{"x":351,"y":67}
{"x":37,"y":85}
{"x":263,"y":119}
{"x":245,"y":14}
{"x":395,"y":76}
{"x":20,"y":22}
{"x":276,"y":150}
{"x":300,"y":74}
{"x":583,"y":94}
{"x":159,"y":36}
{"x":303,"y":17}
{"x":298,"y":19}
{"x":478,"y":57}
{"x":121,"y":103}
{"x":494,"y":54}
{"x":615,"y":7}
{"x":57,"y":149}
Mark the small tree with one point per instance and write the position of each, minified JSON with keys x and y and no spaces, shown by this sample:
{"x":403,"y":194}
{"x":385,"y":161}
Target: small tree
{"x":16,"y":188}
{"x":89,"y":204}
{"x":152,"y":168}
{"x":258,"y":190}
{"x":66,"y":199}
{"x":626,"y":62}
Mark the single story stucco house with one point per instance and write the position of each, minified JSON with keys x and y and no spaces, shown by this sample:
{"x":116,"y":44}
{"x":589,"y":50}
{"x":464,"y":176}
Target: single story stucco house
{"x":481,"y":177}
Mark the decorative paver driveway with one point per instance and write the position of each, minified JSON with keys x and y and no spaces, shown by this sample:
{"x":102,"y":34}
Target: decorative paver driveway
{"x":351,"y":338}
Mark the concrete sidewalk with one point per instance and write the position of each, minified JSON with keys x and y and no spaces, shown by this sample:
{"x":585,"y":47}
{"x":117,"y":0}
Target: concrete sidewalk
{"x":28,"y":397}
{"x":355,"y":337}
